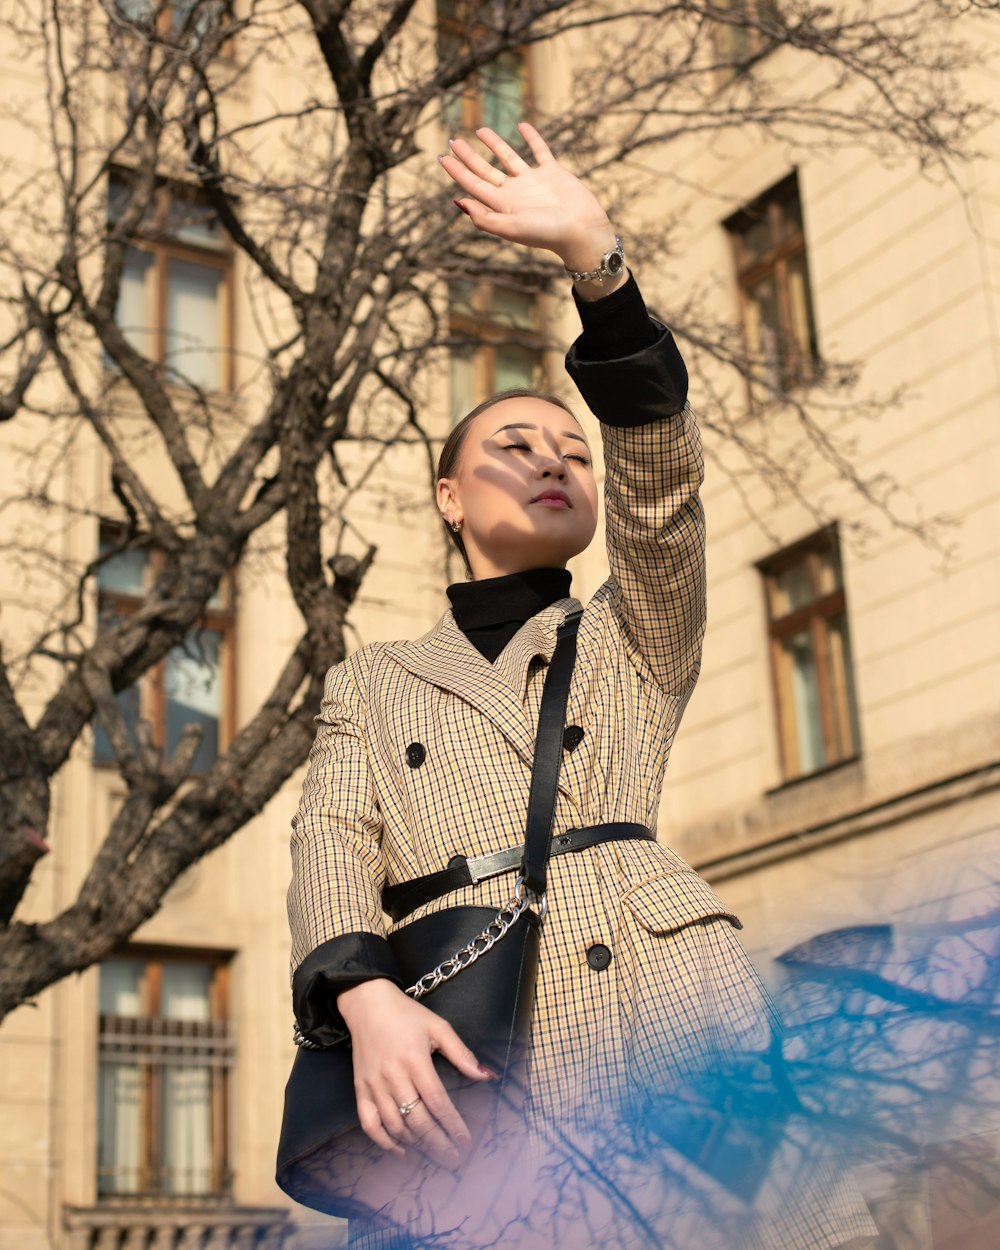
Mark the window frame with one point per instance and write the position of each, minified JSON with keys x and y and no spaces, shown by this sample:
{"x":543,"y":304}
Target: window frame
{"x":161,"y":21}
{"x":155,"y":239}
{"x":485,"y":332}
{"x":466,"y":31}
{"x":152,"y":688}
{"x":797,"y":364}
{"x":220,"y":1045}
{"x":812,"y":617}
{"x":740,"y":60}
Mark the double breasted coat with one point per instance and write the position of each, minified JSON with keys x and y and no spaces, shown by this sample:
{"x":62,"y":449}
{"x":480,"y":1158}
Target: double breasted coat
{"x":424,"y":751}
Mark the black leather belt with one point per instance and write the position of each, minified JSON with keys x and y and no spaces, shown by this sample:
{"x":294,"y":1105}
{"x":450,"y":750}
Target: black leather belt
{"x":399,"y":900}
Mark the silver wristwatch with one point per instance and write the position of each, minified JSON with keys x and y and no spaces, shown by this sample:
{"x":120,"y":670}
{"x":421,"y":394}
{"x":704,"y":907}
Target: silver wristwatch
{"x":612,"y":263}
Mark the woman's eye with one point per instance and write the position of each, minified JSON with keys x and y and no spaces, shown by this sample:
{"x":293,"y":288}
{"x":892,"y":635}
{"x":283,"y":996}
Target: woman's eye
{"x":524,"y":447}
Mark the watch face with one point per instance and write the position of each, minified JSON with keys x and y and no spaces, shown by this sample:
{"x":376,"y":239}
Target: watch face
{"x":615,"y":263}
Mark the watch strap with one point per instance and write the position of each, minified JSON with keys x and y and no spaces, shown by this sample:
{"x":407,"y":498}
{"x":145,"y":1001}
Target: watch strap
{"x":602,"y":271}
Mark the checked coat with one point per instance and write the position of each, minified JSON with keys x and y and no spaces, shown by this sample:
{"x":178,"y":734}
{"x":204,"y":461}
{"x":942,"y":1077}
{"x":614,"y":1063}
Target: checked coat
{"x":424,"y":751}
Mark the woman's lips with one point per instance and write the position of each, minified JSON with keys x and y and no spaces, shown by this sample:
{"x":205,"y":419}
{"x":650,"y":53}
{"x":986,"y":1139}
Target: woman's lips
{"x":553,"y":499}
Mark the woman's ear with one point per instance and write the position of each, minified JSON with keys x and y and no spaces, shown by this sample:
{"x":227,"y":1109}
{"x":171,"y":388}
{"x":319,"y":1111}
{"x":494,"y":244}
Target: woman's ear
{"x":447,"y":500}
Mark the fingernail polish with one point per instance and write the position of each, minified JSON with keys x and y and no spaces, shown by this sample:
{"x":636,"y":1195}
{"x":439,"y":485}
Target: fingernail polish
{"x":487,"y":1072}
{"x":461,"y":207}
{"x":451,"y":143}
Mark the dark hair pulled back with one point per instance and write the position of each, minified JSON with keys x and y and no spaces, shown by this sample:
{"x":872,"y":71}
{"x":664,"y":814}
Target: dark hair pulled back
{"x":451,"y":452}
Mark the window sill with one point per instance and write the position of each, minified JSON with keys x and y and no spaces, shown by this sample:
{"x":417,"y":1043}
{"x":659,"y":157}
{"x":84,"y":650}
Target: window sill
{"x":219,"y":395}
{"x":794,"y":783}
{"x":111,"y":768}
{"x":756,"y":411}
{"x":164,"y":1222}
{"x":794,"y":394}
{"x":110,"y":1205}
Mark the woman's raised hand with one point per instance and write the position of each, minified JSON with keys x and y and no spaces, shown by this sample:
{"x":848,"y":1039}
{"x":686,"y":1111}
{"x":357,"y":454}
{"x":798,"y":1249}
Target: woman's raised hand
{"x":542,"y":205}
{"x":392,"y":1039}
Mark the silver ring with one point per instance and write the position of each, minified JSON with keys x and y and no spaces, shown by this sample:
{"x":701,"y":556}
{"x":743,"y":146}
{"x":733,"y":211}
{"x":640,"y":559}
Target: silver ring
{"x":406,"y":1107}
{"x":502,"y":181}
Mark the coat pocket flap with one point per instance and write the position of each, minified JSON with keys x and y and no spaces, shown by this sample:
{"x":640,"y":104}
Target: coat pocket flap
{"x":672,"y":900}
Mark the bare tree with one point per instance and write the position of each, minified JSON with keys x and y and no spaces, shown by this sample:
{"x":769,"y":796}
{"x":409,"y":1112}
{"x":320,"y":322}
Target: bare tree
{"x":322,"y":189}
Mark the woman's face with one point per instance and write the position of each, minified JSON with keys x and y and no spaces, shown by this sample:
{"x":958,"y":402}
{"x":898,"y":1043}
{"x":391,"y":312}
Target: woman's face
{"x":524,"y":489}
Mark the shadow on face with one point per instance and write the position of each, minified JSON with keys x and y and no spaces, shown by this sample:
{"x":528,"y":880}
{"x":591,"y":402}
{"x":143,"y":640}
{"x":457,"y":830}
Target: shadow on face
{"x":523,"y":488}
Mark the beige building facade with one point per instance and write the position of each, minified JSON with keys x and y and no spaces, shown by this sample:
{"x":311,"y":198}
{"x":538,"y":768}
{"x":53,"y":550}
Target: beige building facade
{"x":829,"y":806}
{"x":838,"y":770}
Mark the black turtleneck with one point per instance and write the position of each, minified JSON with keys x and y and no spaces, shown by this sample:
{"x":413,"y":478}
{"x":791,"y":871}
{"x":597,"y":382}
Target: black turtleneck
{"x":491,"y":611}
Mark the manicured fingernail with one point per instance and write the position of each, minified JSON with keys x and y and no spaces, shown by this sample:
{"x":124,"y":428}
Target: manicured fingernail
{"x":487,"y":1072}
{"x":451,"y":143}
{"x":461,"y":206}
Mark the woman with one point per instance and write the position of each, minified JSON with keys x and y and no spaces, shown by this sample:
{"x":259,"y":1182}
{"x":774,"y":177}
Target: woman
{"x":424,"y":748}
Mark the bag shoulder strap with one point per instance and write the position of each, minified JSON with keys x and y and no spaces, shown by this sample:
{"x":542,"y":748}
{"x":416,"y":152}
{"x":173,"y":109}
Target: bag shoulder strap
{"x":548,"y":757}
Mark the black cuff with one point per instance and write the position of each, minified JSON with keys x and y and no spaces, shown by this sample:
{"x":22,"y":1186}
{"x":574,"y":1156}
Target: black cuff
{"x":330,"y":968}
{"x":633,"y":390}
{"x":616,"y":325}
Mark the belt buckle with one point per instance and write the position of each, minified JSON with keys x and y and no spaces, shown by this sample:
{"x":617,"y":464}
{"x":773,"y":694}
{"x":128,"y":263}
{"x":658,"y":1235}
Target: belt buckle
{"x":482,"y":866}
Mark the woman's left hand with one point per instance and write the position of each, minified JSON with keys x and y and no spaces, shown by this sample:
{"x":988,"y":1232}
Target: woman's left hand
{"x":542,"y":205}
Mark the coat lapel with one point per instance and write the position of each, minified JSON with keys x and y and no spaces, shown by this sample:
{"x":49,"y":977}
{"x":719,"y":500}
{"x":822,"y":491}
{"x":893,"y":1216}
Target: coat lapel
{"x":445,"y":658}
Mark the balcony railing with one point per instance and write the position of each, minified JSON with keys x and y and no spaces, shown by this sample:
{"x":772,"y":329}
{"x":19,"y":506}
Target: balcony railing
{"x":227,"y":1228}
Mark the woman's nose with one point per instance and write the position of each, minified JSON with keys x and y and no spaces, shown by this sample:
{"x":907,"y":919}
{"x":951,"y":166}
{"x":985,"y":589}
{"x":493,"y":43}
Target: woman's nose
{"x":549,"y":466}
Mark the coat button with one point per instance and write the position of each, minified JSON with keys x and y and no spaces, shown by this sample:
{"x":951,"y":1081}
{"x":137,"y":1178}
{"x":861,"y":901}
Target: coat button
{"x":598,"y":957}
{"x":572,"y":737}
{"x":415,"y":754}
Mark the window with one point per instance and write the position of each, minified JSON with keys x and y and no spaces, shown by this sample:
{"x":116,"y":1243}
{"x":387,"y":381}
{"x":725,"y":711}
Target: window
{"x":170,"y":12}
{"x":498,"y":95}
{"x":192,"y":685}
{"x":170,"y":16}
{"x":501,"y":324}
{"x":175,"y":300}
{"x":811,"y":656}
{"x":165,"y":1057}
{"x":773,"y":277}
{"x":739,"y":38}
{"x":505,"y":345}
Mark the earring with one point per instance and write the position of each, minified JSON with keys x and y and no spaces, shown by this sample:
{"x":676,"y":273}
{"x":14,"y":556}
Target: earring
{"x":456,"y":526}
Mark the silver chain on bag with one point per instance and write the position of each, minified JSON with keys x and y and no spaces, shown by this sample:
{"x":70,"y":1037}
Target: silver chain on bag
{"x":499,"y":926}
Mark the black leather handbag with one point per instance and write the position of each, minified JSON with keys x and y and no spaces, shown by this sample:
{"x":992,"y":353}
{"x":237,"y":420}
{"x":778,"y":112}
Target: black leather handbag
{"x":475,"y":967}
